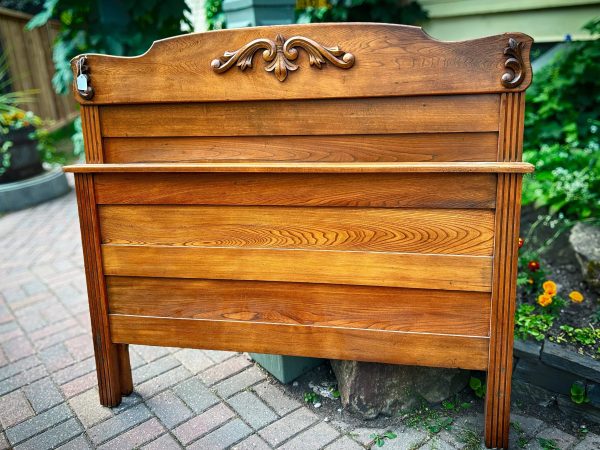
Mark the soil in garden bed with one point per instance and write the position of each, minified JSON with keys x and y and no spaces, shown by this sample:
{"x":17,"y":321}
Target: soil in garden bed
{"x":429,"y":419}
{"x":561,"y":265}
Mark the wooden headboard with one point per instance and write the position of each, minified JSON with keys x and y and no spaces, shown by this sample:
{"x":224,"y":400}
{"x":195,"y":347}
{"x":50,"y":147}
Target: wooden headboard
{"x":345,"y":191}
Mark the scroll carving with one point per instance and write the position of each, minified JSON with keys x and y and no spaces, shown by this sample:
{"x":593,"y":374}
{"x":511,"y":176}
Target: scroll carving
{"x":281,"y":54}
{"x":514,"y":64}
{"x":83,"y":82}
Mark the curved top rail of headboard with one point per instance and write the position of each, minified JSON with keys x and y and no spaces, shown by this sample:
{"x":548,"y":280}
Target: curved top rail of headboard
{"x":305,"y":62}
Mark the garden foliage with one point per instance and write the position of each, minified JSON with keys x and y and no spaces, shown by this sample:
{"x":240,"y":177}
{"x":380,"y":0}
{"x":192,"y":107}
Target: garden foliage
{"x":215,"y":17}
{"x":562,"y":136}
{"x":125,"y":27}
{"x":386,"y":11}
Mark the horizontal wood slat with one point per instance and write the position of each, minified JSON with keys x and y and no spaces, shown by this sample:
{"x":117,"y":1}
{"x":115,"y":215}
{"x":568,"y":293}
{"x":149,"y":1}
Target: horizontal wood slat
{"x":349,"y":148}
{"x":301,"y":340}
{"x":307,"y":167}
{"x":303,"y":117}
{"x":449,"y":231}
{"x":450,"y":272}
{"x":446,"y":190}
{"x":393,"y":309}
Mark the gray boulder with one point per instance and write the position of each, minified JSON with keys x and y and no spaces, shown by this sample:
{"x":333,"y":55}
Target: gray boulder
{"x":585,"y":240}
{"x":371,"y":389}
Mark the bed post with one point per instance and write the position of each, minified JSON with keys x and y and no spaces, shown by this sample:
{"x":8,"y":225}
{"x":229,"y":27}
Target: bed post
{"x":508,"y":209}
{"x":107,"y":354}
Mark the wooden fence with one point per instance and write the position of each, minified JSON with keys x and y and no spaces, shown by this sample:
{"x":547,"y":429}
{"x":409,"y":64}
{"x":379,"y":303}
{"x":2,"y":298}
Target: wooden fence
{"x":29,"y":56}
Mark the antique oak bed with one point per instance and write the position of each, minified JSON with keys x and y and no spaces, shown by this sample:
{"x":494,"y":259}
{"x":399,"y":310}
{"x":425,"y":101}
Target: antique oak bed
{"x":345,"y":191}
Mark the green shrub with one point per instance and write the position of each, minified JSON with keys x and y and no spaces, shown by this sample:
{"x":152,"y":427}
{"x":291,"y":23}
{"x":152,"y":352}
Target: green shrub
{"x":215,"y":17}
{"x":88,"y":27}
{"x":92,"y":27}
{"x":387,"y":11}
{"x":562,"y":132}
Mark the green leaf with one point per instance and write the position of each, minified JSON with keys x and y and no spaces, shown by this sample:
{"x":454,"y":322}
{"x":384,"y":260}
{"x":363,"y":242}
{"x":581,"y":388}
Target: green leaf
{"x":42,"y":17}
{"x":475,"y":383}
{"x":448,"y":405}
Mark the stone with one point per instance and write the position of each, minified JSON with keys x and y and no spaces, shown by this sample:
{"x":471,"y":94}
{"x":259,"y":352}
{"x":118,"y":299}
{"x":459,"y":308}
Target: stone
{"x":527,"y":349}
{"x":195,"y":395}
{"x":38,"y":424}
{"x":593,"y":393}
{"x":252,"y":410}
{"x":591,"y":442}
{"x":371,"y":389}
{"x":585,"y":240}
{"x":560,"y":438}
{"x":528,"y":393}
{"x":566,"y":359}
{"x":203,"y":423}
{"x":344,"y":443}
{"x":536,"y":372}
{"x":135,"y":437}
{"x":53,"y":437}
{"x":239,"y":382}
{"x":275,"y":398}
{"x":281,"y":430}
{"x":314,"y":438}
{"x":14,"y":408}
{"x":224,"y":437}
{"x":169,"y":409}
{"x":584,"y":411}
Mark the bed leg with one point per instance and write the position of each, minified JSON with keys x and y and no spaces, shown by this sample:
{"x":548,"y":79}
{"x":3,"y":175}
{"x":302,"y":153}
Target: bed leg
{"x":497,"y":409}
{"x":124,"y":369}
{"x":107,"y":369}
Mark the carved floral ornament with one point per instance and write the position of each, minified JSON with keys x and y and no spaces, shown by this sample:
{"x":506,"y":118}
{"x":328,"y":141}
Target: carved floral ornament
{"x":281,"y":54}
{"x":514,"y":64}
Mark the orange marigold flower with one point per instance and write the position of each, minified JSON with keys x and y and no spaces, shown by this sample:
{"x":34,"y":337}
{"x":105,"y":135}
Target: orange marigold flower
{"x":576,"y":296}
{"x":549,"y":288}
{"x":530,"y":280}
{"x":544,"y":300}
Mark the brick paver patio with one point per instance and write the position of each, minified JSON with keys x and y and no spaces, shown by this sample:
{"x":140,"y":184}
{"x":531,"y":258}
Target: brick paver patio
{"x":182,"y":398}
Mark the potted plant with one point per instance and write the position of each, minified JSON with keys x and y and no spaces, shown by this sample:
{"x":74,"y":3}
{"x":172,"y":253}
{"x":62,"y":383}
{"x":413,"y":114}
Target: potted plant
{"x":23,"y":180}
{"x":19,"y":156}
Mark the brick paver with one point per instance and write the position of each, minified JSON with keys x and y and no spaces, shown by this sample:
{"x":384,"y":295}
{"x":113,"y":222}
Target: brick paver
{"x":200,"y":399}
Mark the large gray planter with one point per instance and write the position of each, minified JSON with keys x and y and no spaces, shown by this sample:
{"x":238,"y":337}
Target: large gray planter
{"x":250,"y":13}
{"x":285,"y":368}
{"x":32,"y":191}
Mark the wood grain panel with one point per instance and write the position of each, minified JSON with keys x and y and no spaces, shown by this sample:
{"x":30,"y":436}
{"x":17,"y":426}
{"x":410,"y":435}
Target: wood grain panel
{"x":452,"y":190}
{"x":450,"y":272}
{"x":448,"y":231}
{"x":302,"y":117}
{"x":393,"y":309}
{"x":299,"y":340}
{"x":390,"y":60}
{"x":349,"y":148}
